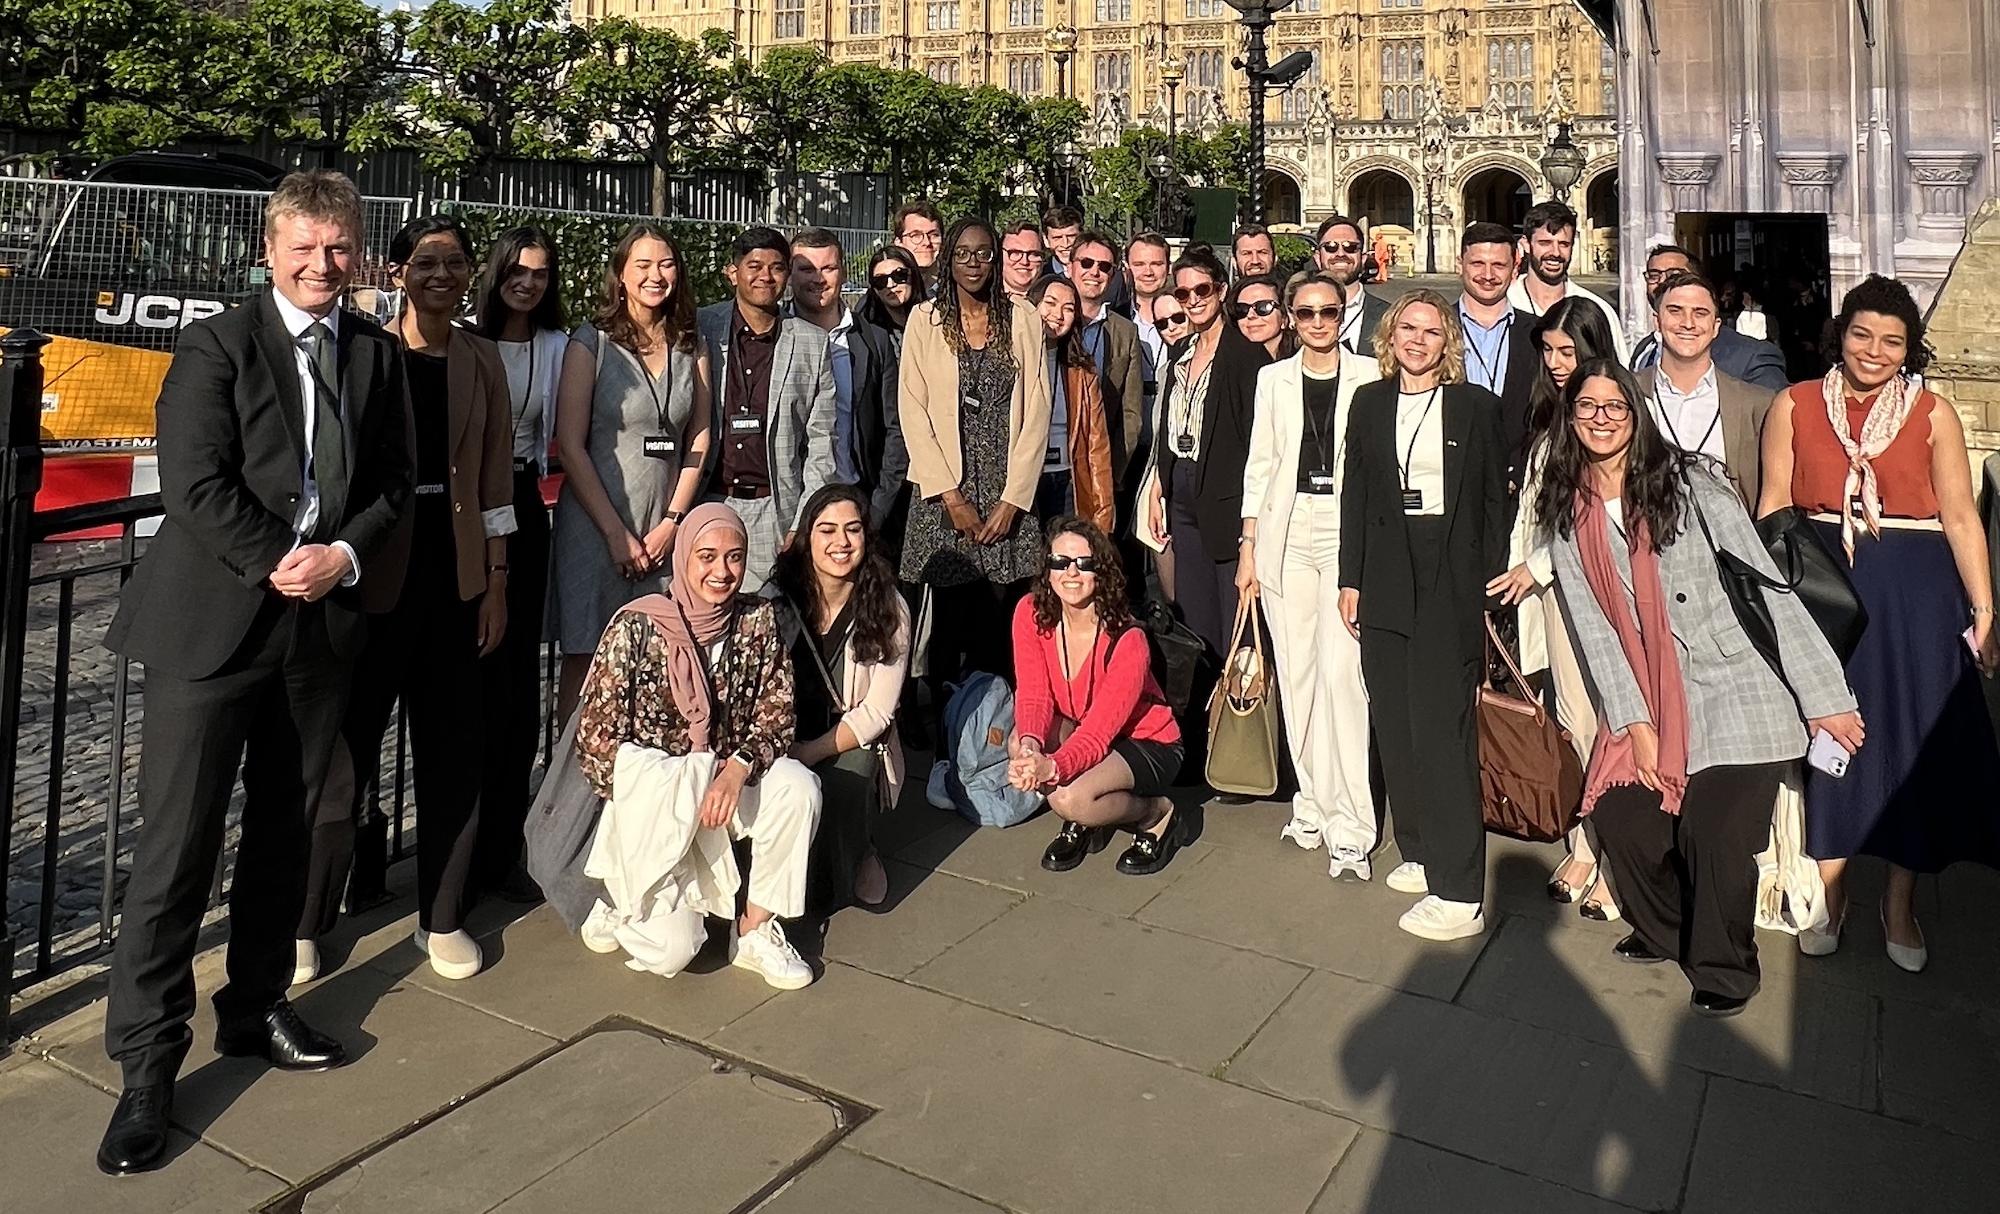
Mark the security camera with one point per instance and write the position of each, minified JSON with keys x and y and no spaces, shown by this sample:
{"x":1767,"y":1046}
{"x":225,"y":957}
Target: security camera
{"x":1286,"y":72}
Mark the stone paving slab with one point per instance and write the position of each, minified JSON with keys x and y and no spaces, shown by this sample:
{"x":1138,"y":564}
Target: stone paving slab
{"x":1387,"y":1174}
{"x":847,"y":1182}
{"x":52,"y":1121}
{"x":1149,"y":990}
{"x":1012,"y":859}
{"x":1033,"y":1119}
{"x":1580,"y":1114}
{"x":1942,"y":1068}
{"x":926,"y":913}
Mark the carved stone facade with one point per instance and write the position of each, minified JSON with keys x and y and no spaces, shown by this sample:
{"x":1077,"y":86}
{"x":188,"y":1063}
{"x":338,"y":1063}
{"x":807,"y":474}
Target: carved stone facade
{"x":1965,"y":333}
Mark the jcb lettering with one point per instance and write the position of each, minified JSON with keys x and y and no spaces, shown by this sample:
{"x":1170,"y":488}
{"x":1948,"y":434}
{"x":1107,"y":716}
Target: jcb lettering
{"x":118,"y":309}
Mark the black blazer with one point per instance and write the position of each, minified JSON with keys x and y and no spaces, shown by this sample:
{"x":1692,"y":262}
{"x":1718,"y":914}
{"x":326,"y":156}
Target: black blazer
{"x":879,"y":453}
{"x":231,"y":424}
{"x":1374,"y":544}
{"x":1373,"y":309}
{"x":1225,"y":441}
{"x":1517,"y":389}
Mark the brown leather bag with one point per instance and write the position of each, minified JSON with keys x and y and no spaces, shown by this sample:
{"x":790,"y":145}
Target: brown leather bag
{"x":1530,"y":783}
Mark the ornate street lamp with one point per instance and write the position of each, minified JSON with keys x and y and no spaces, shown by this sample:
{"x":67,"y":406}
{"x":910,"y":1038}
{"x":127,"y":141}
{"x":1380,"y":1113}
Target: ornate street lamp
{"x":1172,"y":72}
{"x":1262,"y":74}
{"x":1562,"y":163}
{"x":1061,"y":42}
{"x":1434,"y":135}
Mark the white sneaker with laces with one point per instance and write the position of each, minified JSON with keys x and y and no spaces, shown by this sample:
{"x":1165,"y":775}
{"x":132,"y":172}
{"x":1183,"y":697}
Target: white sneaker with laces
{"x":597,"y":933}
{"x":1303,"y":833}
{"x":453,"y":955}
{"x":765,"y":951}
{"x":305,"y":961}
{"x":1350,"y":860}
{"x":1408,"y":878}
{"x":1433,"y":918}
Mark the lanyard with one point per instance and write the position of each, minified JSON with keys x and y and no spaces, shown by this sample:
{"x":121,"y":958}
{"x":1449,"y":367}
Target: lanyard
{"x":1499,"y":352}
{"x":1069,"y":680}
{"x":1410,"y":453}
{"x":1193,"y":395}
{"x":1319,"y":440}
{"x":1666,"y":418}
{"x":528,"y":389}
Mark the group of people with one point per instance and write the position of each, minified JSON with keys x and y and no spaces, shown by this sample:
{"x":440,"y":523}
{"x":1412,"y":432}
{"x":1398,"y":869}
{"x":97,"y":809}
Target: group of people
{"x":784,"y":513}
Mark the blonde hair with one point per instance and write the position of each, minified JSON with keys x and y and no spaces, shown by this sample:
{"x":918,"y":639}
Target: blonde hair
{"x":1452,"y":369}
{"x":316,"y":194}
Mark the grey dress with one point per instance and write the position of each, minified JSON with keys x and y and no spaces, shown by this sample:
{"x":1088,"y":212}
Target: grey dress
{"x":624,"y":410}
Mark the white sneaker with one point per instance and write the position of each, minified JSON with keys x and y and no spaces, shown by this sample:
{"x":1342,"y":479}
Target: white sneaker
{"x":453,"y":955}
{"x":1433,"y":918}
{"x":1303,"y":833}
{"x":305,"y":961}
{"x":1408,"y":878}
{"x":765,"y":951}
{"x":597,"y":933}
{"x":1350,"y":860}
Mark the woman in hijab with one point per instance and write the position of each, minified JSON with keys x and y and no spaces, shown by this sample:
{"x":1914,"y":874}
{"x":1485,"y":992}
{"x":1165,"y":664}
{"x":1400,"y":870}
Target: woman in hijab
{"x":703,"y":668}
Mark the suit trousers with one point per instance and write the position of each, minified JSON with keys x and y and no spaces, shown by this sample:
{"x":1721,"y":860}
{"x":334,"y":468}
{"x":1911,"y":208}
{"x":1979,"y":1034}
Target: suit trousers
{"x":1688,"y":883}
{"x":1319,"y":672}
{"x":275,"y":709}
{"x":1204,"y":582}
{"x":1420,"y":701}
{"x":764,"y":535}
{"x":426,"y":653}
{"x":511,"y":678}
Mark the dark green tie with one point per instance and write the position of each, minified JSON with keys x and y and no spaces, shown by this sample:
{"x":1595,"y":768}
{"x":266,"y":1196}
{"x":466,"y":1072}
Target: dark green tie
{"x":329,"y":453}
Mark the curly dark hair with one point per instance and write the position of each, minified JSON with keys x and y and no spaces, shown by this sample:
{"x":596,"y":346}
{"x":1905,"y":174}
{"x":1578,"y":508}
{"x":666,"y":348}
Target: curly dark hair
{"x":1655,"y":486}
{"x":999,"y":309}
{"x":1885,"y":297}
{"x":1114,"y":610}
{"x":614,"y":320}
{"x":876,"y":599}
{"x":1583,"y":323}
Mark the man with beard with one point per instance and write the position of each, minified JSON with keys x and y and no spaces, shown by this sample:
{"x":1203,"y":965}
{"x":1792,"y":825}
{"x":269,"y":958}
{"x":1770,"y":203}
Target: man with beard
{"x":1024,"y":257}
{"x":1548,"y":239}
{"x":1338,"y":250}
{"x":1253,"y":251}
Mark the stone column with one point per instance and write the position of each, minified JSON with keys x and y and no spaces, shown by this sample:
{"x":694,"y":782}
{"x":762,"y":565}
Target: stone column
{"x":1942,"y":177}
{"x":1687,"y":175}
{"x":1811,"y":178}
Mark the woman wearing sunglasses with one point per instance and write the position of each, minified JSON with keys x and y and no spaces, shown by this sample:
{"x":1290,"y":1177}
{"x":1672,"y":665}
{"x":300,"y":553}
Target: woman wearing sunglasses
{"x":1255,"y":307}
{"x":1092,"y":730}
{"x":1291,"y":554}
{"x":893,"y":279}
{"x":1423,"y":529}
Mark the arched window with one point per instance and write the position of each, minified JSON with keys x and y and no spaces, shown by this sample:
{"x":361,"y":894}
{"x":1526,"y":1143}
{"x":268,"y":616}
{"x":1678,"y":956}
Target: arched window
{"x":1388,"y":104}
{"x":1417,"y":63}
{"x":1388,"y":63}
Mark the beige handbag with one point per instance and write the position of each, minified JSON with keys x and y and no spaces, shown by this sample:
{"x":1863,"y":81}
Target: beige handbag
{"x":1243,"y":720}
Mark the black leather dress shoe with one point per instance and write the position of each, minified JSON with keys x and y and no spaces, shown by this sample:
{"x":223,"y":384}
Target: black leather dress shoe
{"x":1708,"y":1003}
{"x":137,"y":1136}
{"x":282,"y":1039}
{"x":1068,"y":848}
{"x":1633,"y":949}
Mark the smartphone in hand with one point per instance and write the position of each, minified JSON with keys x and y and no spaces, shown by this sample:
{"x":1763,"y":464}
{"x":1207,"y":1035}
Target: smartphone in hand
{"x":1828,"y":755}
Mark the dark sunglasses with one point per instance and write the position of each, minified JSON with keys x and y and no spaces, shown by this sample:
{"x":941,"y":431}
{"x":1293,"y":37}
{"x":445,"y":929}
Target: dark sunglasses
{"x":1305,"y":316}
{"x":1093,"y":263}
{"x":1201,"y":290}
{"x":1340,"y":246}
{"x":1084,"y":564}
{"x":894,"y":278}
{"x":1177,"y":318}
{"x":1244,"y":311}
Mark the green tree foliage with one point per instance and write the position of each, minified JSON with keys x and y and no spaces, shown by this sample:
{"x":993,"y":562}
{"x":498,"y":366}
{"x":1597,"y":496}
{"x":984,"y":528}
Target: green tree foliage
{"x":486,"y":82}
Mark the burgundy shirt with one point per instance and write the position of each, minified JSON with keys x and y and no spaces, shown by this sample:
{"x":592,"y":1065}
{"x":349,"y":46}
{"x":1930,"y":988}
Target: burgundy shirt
{"x":746,"y":400}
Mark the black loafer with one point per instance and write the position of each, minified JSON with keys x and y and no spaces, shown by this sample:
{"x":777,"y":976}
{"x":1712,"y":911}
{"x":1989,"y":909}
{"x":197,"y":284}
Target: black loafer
{"x":1069,"y":847}
{"x":1633,"y":949}
{"x":1709,"y":1003}
{"x":136,"y":1139}
{"x":1150,"y":853}
{"x":282,"y":1039}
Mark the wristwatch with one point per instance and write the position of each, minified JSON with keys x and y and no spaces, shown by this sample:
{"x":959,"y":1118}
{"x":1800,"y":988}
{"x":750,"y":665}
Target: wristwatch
{"x":744,"y":757}
{"x":675,"y":516}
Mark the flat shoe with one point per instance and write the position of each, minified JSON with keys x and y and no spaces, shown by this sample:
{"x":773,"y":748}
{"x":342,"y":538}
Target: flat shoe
{"x":1715,"y":1006}
{"x":1633,"y":949}
{"x":1150,"y":853}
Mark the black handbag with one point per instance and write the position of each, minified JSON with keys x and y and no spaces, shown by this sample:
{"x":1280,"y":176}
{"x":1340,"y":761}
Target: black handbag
{"x":1818,"y":576}
{"x":1177,"y":653}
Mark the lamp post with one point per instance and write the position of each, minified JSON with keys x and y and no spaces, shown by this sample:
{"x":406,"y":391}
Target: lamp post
{"x":1172,"y":72}
{"x":1257,"y":68}
{"x":1562,"y":163}
{"x":1433,"y":136}
{"x":1061,"y":42}
{"x":1072,"y":162}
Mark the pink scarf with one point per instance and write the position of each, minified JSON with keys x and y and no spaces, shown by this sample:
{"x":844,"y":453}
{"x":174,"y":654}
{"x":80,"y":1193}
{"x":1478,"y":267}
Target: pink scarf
{"x":689,"y":623}
{"x":1884,"y":422}
{"x":1648,"y":645}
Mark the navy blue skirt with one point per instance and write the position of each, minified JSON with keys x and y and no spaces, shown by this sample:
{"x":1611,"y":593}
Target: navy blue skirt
{"x":1920,"y":792}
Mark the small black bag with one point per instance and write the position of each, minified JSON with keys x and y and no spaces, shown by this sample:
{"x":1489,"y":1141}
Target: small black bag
{"x":1818,"y":576}
{"x":1178,"y":653}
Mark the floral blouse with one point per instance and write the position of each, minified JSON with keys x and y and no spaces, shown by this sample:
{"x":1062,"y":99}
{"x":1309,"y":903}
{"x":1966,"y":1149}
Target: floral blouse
{"x":753,"y":694}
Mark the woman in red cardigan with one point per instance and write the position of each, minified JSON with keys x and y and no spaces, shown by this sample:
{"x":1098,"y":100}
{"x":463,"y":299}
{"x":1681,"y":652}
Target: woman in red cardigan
{"x":1092,"y":731}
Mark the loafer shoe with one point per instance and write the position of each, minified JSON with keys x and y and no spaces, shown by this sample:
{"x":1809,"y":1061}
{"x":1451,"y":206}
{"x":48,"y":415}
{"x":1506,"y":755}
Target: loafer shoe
{"x":1716,"y":1006}
{"x":1071,"y":845}
{"x":1633,"y":949}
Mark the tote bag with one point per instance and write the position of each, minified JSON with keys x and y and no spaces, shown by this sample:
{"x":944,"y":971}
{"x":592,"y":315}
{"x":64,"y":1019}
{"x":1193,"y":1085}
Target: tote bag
{"x":1530,"y":783}
{"x":1243,"y":714}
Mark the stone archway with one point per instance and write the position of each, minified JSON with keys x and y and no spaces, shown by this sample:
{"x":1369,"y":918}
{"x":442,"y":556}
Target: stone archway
{"x":1382,"y":196}
{"x":1600,"y":222}
{"x":1283,"y":201}
{"x":1497,"y":193}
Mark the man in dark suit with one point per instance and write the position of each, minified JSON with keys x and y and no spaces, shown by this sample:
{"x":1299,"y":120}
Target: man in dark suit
{"x":1739,"y":357}
{"x":868,"y":445}
{"x":1339,"y":250}
{"x":283,"y":467}
{"x":1699,"y":406}
{"x":1500,"y":353}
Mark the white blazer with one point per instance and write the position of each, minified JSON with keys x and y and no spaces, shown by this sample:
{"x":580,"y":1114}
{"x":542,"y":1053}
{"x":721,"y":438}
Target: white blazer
{"x":1277,"y":428}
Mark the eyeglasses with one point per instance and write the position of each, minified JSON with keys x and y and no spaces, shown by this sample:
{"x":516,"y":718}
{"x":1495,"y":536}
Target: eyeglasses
{"x":1025,"y":254}
{"x":1084,"y":564}
{"x":1200,"y":290}
{"x":1615,"y":410}
{"x":1176,"y":318}
{"x":431,"y":265}
{"x":931,"y":237}
{"x":1657,"y":275}
{"x":1244,"y":311}
{"x":1330,"y":313}
{"x":1093,"y":263}
{"x":972,"y":257}
{"x":1340,"y":246}
{"x":894,"y":278}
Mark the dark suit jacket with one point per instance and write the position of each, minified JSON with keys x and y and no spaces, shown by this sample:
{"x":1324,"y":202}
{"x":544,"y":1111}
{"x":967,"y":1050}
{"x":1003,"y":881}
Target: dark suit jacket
{"x":1373,"y":309}
{"x":1123,"y":383}
{"x":1375,"y":554}
{"x":231,"y":424}
{"x":1739,"y":357}
{"x":1225,"y":441}
{"x":879,"y":453}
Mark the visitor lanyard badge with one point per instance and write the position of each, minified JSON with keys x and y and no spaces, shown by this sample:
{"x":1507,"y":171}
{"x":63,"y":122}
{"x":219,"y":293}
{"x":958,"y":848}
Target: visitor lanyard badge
{"x":1413,"y":501}
{"x":1319,"y":480}
{"x":660,"y":446}
{"x":1184,"y":444}
{"x":741,"y":424}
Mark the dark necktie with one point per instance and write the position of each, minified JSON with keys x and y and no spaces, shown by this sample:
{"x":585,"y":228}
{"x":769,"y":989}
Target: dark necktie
{"x":329,"y":453}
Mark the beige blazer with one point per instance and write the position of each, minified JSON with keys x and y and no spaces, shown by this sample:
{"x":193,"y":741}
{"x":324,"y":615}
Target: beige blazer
{"x":1271,"y":474}
{"x":1744,"y":408}
{"x":481,"y":473}
{"x":927,"y":403}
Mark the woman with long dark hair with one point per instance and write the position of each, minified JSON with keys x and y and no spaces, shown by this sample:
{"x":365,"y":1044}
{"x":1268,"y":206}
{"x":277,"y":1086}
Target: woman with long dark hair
{"x":1076,"y":476}
{"x":895,"y":288}
{"x":975,"y":412}
{"x":632,"y":429}
{"x":438,"y":592}
{"x":1256,"y":307}
{"x":1698,"y":729}
{"x":1092,"y":730}
{"x":849,"y":634}
{"x":1569,"y":334}
{"x":1879,"y":460}
{"x":520,"y":310}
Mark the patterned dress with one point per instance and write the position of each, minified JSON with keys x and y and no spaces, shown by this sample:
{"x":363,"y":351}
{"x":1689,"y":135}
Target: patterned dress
{"x":932,"y":551}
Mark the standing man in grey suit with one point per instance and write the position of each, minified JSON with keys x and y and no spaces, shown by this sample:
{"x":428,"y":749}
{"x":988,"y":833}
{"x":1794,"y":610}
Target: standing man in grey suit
{"x":283,"y":469}
{"x":771,"y":437}
{"x":868,"y":445}
{"x":1339,"y":250}
{"x":1699,"y":407}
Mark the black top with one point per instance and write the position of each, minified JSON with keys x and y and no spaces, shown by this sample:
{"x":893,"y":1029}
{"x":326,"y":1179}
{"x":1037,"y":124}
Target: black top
{"x":813,"y":701}
{"x":1318,"y":439}
{"x":1225,"y":440}
{"x":430,"y":413}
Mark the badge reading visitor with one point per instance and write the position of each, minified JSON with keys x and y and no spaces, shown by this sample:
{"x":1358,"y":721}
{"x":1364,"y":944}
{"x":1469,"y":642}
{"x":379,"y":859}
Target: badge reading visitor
{"x":1413,"y":501}
{"x":659,"y":446}
{"x":1319,"y":481}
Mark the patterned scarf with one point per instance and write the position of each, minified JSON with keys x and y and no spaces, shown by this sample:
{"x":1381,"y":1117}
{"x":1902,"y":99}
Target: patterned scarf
{"x":1884,"y":423}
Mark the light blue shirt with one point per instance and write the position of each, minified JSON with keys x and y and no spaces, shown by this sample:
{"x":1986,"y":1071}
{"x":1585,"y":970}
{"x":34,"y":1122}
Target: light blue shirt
{"x":1090,"y":331}
{"x":1486,"y":349}
{"x":842,"y":359}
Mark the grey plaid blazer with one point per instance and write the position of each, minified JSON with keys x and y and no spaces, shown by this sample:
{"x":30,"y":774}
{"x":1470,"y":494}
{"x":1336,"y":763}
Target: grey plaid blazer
{"x":798,"y":419}
{"x":1739,"y":712}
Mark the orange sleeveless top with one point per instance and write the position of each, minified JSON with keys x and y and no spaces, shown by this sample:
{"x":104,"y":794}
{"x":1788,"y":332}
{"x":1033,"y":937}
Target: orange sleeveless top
{"x":1819,"y":463}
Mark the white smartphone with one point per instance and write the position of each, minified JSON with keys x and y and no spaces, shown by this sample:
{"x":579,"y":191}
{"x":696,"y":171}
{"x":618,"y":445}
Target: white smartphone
{"x":1828,"y":755}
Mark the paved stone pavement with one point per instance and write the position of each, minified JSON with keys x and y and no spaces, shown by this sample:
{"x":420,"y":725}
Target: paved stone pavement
{"x":1237,"y":1033}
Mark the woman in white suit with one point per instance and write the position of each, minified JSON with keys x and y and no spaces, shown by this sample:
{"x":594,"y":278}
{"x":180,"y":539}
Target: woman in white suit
{"x":1290,"y":554}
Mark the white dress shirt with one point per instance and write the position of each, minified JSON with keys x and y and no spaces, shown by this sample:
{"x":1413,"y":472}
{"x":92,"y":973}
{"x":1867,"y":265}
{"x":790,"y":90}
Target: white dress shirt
{"x":1518,"y":293}
{"x":1420,"y":446}
{"x":1692,"y":420}
{"x":297,"y":320}
{"x":527,"y":389}
{"x":1352,"y":338}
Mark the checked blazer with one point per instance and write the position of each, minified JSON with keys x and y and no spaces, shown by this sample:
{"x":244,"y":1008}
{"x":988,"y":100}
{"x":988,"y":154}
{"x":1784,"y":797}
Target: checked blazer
{"x":798,"y":419}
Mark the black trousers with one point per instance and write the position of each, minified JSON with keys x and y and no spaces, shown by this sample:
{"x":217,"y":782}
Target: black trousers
{"x":1687,"y":883}
{"x":426,"y":652}
{"x":1420,"y":693}
{"x":971,"y":631}
{"x":275,"y":709}
{"x":511,"y":679}
{"x":1204,"y":581}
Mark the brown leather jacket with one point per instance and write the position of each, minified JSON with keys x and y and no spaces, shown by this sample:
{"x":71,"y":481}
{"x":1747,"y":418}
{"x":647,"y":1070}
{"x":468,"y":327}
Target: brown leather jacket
{"x":1089,"y":446}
